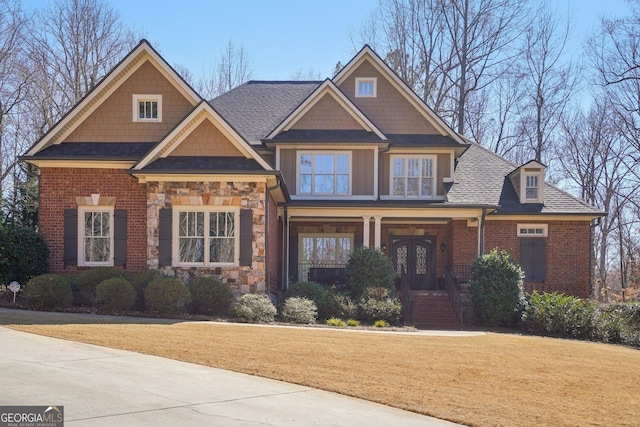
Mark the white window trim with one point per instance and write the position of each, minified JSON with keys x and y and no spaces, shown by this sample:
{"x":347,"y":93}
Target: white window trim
{"x":373,"y":80}
{"x":137,"y":98}
{"x":313,"y":194}
{"x":302,"y":236}
{"x":434,"y":161}
{"x":523,"y":187}
{"x":82,"y":262}
{"x":543,"y":227}
{"x":206,"y":209}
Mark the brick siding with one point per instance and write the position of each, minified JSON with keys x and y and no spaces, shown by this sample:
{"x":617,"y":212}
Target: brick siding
{"x":59,"y":188}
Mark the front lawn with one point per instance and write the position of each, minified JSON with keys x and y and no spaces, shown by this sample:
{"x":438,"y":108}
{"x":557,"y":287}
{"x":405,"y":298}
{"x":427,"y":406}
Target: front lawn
{"x":488,"y":380}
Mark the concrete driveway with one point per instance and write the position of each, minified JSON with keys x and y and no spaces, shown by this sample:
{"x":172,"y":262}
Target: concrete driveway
{"x":100,"y":386}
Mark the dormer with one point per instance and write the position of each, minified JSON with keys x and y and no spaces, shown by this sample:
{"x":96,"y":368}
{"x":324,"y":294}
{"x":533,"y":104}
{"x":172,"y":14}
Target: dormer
{"x":528,"y":181}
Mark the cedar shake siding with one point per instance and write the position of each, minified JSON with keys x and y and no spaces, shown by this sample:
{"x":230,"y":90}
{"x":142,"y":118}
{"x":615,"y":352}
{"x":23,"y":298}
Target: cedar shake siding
{"x":327,"y":114}
{"x":389,"y":110}
{"x":206,"y":140}
{"x":113,"y":121}
{"x":59,"y":190}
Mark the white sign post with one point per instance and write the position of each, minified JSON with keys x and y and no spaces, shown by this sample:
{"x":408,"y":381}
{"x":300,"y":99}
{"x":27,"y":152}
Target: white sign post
{"x":15,"y":288}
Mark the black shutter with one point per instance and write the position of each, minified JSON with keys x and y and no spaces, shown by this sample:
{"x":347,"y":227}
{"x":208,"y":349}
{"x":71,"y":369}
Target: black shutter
{"x":246,"y":237}
{"x":533,"y":253}
{"x":120,"y":237}
{"x":70,"y":237}
{"x":164,"y":237}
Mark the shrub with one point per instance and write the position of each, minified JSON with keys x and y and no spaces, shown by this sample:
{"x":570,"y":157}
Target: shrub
{"x":48,"y":291}
{"x":209,"y":296}
{"x":85,"y":283}
{"x":388,"y":309}
{"x":558,"y":314}
{"x":299,"y":310}
{"x":618,"y":323}
{"x":496,"y":288}
{"x":353,"y":322}
{"x":381,"y":324}
{"x":23,"y":254}
{"x":115,"y":294}
{"x":255,"y":308}
{"x":166,"y":295}
{"x":334,"y":321}
{"x":140,"y":282}
{"x":369,"y":267}
{"x":329,"y":302}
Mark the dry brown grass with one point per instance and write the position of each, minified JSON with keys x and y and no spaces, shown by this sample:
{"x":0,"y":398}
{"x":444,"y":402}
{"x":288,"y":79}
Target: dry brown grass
{"x":495,"y":379}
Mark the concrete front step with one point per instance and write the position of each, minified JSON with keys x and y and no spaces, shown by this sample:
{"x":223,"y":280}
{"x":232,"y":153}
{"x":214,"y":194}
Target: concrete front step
{"x":433,"y":310}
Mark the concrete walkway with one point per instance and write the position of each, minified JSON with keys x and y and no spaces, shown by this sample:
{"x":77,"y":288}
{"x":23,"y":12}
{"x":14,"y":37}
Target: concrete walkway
{"x":100,"y":386}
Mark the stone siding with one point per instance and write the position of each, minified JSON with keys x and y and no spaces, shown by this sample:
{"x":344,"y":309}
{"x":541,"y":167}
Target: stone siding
{"x":241,"y":279}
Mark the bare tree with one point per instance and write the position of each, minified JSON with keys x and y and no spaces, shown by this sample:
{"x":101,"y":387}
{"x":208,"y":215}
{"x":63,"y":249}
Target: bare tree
{"x":232,"y":68}
{"x":73,"y":45}
{"x":447,"y":50}
{"x":13,"y":85}
{"x":596,"y":163}
{"x":548,"y":81}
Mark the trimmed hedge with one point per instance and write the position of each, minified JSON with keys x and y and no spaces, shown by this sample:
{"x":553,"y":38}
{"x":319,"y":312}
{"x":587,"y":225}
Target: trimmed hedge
{"x":210,"y":297}
{"x":166,"y":295}
{"x":116,"y":294}
{"x":85,"y":283}
{"x":140,"y":282}
{"x":48,"y":291}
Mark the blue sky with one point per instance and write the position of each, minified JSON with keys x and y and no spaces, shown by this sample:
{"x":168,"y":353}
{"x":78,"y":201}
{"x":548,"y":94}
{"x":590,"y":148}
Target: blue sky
{"x":280,"y":36}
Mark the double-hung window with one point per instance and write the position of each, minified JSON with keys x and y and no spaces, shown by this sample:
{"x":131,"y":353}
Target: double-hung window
{"x":413,"y":176}
{"x":206,"y":237}
{"x":147,"y":108}
{"x":324,"y":173}
{"x":531,"y":186}
{"x":95,"y":231}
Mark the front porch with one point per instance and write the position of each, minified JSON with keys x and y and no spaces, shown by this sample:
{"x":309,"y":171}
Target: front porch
{"x":431,"y":254}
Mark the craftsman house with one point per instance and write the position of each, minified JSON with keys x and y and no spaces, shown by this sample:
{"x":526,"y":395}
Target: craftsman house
{"x":278,"y":181}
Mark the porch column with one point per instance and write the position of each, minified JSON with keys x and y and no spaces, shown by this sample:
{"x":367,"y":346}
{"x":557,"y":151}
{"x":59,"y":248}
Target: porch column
{"x":365,"y":229}
{"x":378,"y":229}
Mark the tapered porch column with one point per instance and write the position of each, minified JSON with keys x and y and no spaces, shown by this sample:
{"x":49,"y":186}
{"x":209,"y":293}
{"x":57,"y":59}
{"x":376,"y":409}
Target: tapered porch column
{"x":378,"y":230}
{"x":365,"y":234}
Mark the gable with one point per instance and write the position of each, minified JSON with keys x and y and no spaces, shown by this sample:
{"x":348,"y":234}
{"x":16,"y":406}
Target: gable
{"x":327,"y":114}
{"x":390,"y":110}
{"x":112,"y":120}
{"x":206,"y":140}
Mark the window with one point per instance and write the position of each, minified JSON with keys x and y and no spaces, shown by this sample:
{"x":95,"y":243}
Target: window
{"x":323,"y":257}
{"x":147,"y":108}
{"x":324,"y":173}
{"x":533,"y":230}
{"x":206,"y":237}
{"x":95,"y":229}
{"x":366,"y":87}
{"x":531,"y":187}
{"x":413,"y":176}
